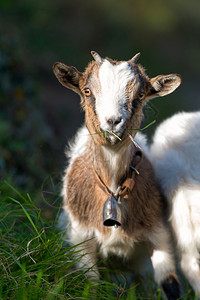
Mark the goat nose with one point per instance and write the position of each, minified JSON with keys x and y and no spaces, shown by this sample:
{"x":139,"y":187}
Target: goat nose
{"x":113,"y":121}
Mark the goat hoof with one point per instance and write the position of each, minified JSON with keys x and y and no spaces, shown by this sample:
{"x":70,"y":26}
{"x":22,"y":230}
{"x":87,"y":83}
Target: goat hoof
{"x":171,"y":288}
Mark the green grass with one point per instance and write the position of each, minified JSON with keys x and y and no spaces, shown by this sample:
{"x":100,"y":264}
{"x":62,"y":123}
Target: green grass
{"x":35,"y":265}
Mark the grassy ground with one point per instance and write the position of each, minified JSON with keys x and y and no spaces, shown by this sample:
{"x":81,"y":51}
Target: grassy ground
{"x":34,"y":264}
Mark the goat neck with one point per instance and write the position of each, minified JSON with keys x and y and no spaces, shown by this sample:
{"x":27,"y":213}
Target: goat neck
{"x":111,"y":162}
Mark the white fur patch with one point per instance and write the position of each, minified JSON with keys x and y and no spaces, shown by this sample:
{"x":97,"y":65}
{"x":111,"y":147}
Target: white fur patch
{"x":190,"y":267}
{"x":175,"y":151}
{"x":181,"y":219}
{"x":176,"y":159}
{"x":78,"y":146}
{"x":115,"y":244}
{"x":116,"y":161}
{"x":163,"y":264}
{"x":162,"y":257}
{"x":111,"y":102}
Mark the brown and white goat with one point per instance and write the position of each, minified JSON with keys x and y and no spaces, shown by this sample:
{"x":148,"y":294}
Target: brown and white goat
{"x":113,"y":95}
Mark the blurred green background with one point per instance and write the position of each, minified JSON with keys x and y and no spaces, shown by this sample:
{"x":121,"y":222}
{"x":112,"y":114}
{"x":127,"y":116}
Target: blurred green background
{"x":38,"y":116}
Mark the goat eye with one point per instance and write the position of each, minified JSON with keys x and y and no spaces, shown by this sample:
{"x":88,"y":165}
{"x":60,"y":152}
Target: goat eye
{"x":87,"y":92}
{"x":141,"y":96}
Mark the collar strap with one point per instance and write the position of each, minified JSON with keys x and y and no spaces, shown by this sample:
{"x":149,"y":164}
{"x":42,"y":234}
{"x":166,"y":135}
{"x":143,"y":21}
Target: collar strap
{"x":128,"y":183}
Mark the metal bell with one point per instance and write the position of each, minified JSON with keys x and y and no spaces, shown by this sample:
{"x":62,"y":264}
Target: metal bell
{"x":111,"y":213}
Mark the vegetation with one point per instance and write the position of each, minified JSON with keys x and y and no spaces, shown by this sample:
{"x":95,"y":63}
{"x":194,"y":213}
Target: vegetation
{"x":35,"y":265}
{"x":35,"y":125}
{"x":33,"y":262}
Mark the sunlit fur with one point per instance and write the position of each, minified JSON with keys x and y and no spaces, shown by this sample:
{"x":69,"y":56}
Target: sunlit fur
{"x":176,"y":158}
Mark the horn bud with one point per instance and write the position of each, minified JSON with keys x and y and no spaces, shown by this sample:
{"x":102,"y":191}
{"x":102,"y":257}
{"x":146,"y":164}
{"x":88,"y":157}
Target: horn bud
{"x":111,"y":213}
{"x":96,"y":56}
{"x":135,"y":58}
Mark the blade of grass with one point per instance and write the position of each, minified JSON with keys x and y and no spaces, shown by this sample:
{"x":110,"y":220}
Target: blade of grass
{"x":52,"y":294}
{"x":29,"y":201}
{"x":115,"y":135}
{"x":37,"y":286}
{"x":29,"y":218}
{"x":17,"y":262}
{"x":141,"y":129}
{"x":104,"y":132}
{"x":138,"y":129}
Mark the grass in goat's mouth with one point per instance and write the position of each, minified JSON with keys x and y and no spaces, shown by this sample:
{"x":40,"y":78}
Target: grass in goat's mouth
{"x":111,"y":132}
{"x":105,"y":134}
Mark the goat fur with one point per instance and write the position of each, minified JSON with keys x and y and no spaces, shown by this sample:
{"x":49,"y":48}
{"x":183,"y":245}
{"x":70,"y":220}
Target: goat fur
{"x":126,"y":87}
{"x":176,"y":160}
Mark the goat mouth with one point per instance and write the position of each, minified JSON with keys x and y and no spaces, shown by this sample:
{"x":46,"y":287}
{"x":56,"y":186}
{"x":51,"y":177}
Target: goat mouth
{"x":114,"y":137}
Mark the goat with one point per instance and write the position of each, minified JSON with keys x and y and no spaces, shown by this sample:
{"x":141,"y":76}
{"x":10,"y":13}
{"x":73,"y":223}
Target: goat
{"x":175,"y":156}
{"x":107,"y":166}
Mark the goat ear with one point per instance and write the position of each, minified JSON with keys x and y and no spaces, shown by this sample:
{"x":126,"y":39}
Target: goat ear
{"x":162,"y":85}
{"x":67,"y":76}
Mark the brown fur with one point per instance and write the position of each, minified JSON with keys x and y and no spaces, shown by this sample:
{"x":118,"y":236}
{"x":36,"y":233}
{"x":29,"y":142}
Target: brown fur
{"x":142,"y":210}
